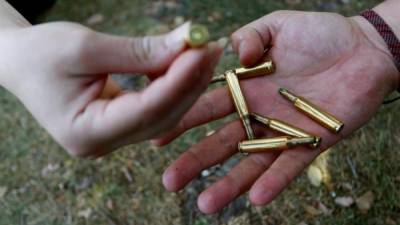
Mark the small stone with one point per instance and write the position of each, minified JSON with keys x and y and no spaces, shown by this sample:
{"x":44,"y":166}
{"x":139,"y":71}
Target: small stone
{"x":205,"y":173}
{"x":344,"y":201}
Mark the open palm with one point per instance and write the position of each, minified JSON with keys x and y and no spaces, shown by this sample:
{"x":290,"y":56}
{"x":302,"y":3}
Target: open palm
{"x":338,"y":63}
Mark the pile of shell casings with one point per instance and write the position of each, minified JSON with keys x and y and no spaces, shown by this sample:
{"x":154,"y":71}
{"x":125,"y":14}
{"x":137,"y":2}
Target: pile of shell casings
{"x":294,"y":136}
{"x":198,"y":36}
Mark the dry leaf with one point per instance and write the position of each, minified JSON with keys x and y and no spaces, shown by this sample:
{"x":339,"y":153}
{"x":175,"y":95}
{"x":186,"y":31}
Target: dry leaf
{"x":50,"y":168}
{"x":311,"y":210}
{"x":95,"y":19}
{"x":347,"y":186}
{"x":85,"y":213}
{"x":3,"y":191}
{"x":210,"y":132}
{"x":365,"y":201}
{"x":179,"y":20}
{"x":344,"y":201}
{"x":314,"y":175}
{"x":110,"y":204}
{"x":135,"y":203}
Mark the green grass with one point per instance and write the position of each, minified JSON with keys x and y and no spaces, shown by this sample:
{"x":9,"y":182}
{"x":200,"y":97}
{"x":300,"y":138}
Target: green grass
{"x":125,"y":187}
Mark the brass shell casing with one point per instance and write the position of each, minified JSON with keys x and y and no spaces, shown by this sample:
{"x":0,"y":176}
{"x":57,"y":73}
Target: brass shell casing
{"x":285,"y":128}
{"x":197,"y":36}
{"x":273,"y":144}
{"x":314,"y":112}
{"x":264,"y":68}
{"x":240,"y":102}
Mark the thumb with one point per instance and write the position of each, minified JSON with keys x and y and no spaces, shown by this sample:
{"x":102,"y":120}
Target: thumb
{"x":103,"y":53}
{"x":251,"y":41}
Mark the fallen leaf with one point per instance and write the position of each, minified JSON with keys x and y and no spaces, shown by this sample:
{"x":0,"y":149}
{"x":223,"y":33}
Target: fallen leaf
{"x":95,"y":19}
{"x":179,"y":20}
{"x":85,"y":213}
{"x":314,"y":175}
{"x":136,"y":203}
{"x":344,"y":201}
{"x":365,"y":201}
{"x":347,"y":186}
{"x":50,"y":168}
{"x":3,"y":191}
{"x":210,"y":132}
{"x":110,"y":204}
{"x":311,"y":210}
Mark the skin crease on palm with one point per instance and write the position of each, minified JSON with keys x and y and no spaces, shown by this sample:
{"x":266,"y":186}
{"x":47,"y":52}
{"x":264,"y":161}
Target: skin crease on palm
{"x":340,"y":64}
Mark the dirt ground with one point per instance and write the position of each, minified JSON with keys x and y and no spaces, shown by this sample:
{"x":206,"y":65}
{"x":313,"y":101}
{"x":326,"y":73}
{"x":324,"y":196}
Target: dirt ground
{"x":41,"y":184}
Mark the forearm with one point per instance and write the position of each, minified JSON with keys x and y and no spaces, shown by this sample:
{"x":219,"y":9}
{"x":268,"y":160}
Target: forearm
{"x":11,"y":18}
{"x":390,"y":12}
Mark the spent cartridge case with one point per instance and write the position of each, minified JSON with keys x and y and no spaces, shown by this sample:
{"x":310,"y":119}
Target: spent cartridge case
{"x":197,"y":36}
{"x":239,"y":102}
{"x":264,"y":68}
{"x":285,"y":128}
{"x":273,"y":144}
{"x":314,"y":112}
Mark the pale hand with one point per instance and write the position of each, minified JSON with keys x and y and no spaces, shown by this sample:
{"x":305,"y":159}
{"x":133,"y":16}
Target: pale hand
{"x":59,"y":71}
{"x":340,"y":64}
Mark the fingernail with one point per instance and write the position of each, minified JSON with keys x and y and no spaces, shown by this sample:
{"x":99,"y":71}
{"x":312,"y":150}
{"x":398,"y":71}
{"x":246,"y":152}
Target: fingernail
{"x":216,"y":54}
{"x":176,"y":38}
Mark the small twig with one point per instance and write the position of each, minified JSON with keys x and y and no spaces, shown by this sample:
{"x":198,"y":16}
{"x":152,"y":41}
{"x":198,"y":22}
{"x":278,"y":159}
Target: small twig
{"x":352,"y":167}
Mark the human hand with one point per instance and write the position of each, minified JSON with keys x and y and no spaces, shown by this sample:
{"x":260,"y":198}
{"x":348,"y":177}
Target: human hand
{"x":340,"y":64}
{"x":59,"y":71}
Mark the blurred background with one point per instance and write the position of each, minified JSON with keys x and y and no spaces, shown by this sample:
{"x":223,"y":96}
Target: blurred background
{"x":357,"y":182}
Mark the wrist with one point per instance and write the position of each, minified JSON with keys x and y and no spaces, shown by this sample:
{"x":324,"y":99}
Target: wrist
{"x":389,"y":70}
{"x":11,"y":18}
{"x":389,"y":11}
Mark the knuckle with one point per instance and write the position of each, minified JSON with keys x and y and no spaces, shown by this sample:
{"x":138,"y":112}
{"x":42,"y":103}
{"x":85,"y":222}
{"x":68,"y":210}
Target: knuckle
{"x":75,"y":44}
{"x":81,"y":48}
{"x":280,"y":176}
{"x":141,"y":49}
{"x":260,"y":160}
